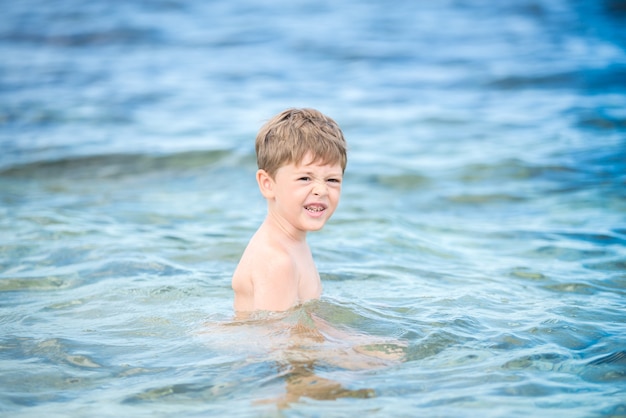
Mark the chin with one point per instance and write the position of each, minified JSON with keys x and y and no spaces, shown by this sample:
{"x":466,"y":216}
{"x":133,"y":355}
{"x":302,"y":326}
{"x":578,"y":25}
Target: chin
{"x":314,"y":228}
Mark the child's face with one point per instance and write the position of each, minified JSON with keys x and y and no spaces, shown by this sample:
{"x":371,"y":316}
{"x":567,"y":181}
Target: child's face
{"x":307,"y":194}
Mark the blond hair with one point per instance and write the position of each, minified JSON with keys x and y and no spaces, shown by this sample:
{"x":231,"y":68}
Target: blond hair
{"x":293,"y":133}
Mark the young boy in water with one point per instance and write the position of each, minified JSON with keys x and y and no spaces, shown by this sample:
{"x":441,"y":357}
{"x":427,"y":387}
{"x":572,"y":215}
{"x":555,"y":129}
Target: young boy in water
{"x":301,"y":155}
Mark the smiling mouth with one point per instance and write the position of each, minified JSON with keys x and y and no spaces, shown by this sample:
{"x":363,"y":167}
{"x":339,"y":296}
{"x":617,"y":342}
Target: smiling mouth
{"x":315,"y":208}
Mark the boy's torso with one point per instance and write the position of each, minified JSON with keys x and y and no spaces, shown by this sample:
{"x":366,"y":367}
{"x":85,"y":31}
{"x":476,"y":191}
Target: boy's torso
{"x":263,"y":248}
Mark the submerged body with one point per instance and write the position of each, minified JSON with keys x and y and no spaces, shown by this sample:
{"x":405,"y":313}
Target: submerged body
{"x":300,"y":342}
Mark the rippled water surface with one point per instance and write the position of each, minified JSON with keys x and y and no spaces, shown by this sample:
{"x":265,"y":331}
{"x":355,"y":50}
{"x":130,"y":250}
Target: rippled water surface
{"x":475,"y":267}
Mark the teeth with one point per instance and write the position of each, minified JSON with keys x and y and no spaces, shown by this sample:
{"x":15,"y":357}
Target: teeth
{"x":314,"y":208}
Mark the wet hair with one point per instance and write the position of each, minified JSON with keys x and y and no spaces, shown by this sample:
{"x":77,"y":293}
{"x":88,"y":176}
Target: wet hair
{"x":289,"y":136}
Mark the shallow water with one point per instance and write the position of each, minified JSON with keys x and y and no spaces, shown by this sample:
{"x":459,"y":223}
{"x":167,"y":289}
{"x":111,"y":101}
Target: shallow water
{"x":476,"y":265}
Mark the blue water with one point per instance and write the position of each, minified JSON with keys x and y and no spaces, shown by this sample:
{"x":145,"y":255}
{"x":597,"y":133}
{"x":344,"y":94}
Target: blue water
{"x":476,"y":265}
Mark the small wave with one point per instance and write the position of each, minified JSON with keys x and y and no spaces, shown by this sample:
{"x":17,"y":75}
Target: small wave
{"x":540,"y":361}
{"x":40,"y":284}
{"x":116,"y":36}
{"x":610,"y":77}
{"x":606,"y":368}
{"x":513,"y":169}
{"x":513,"y":82}
{"x":116,"y":165}
{"x":567,"y":253}
{"x":602,"y":122}
{"x":618,"y":265}
{"x":613,"y":358}
{"x":482,"y":199}
{"x":601,"y":239}
{"x":407,"y":181}
{"x":577,"y":288}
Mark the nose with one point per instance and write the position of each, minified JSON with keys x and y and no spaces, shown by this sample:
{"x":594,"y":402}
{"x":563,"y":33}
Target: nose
{"x":320,"y":189}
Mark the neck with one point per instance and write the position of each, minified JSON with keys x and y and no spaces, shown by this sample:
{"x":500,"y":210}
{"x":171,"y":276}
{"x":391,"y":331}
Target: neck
{"x":282,"y":227}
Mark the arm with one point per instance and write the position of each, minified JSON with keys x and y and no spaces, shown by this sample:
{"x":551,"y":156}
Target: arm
{"x":275,"y":284}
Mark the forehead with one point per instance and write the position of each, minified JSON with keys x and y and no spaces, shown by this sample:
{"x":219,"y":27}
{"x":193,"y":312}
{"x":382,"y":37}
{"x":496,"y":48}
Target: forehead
{"x":310,"y":162}
{"x":312,"y":166}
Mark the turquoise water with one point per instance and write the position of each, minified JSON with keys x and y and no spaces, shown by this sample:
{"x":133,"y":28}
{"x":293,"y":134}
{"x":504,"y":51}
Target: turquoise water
{"x":476,"y":265}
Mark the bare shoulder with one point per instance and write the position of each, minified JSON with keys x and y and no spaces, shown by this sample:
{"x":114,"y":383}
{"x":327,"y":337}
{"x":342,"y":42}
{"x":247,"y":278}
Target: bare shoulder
{"x":266,"y":277}
{"x":274,"y":264}
{"x":265,"y":252}
{"x":262,"y":252}
{"x":275,"y":282}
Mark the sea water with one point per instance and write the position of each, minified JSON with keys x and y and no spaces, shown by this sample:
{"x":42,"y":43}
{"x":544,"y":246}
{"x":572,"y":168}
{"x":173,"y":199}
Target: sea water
{"x":476,"y":265}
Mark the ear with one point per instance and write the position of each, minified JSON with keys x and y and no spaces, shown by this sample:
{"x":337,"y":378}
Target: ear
{"x":266,"y":183}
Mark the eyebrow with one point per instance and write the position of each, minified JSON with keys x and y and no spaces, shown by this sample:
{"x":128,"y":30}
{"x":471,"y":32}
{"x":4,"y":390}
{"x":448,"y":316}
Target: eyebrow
{"x":310,"y":173}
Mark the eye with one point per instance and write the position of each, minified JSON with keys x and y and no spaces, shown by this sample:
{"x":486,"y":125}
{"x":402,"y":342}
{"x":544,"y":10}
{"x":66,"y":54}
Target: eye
{"x":304,"y":178}
{"x":334,"y":180}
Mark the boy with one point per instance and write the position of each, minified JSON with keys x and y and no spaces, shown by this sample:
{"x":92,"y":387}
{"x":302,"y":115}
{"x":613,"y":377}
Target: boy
{"x":301,"y":155}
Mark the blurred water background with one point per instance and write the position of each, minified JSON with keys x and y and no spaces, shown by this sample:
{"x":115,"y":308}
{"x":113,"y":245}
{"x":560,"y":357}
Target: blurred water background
{"x":482,"y":226}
